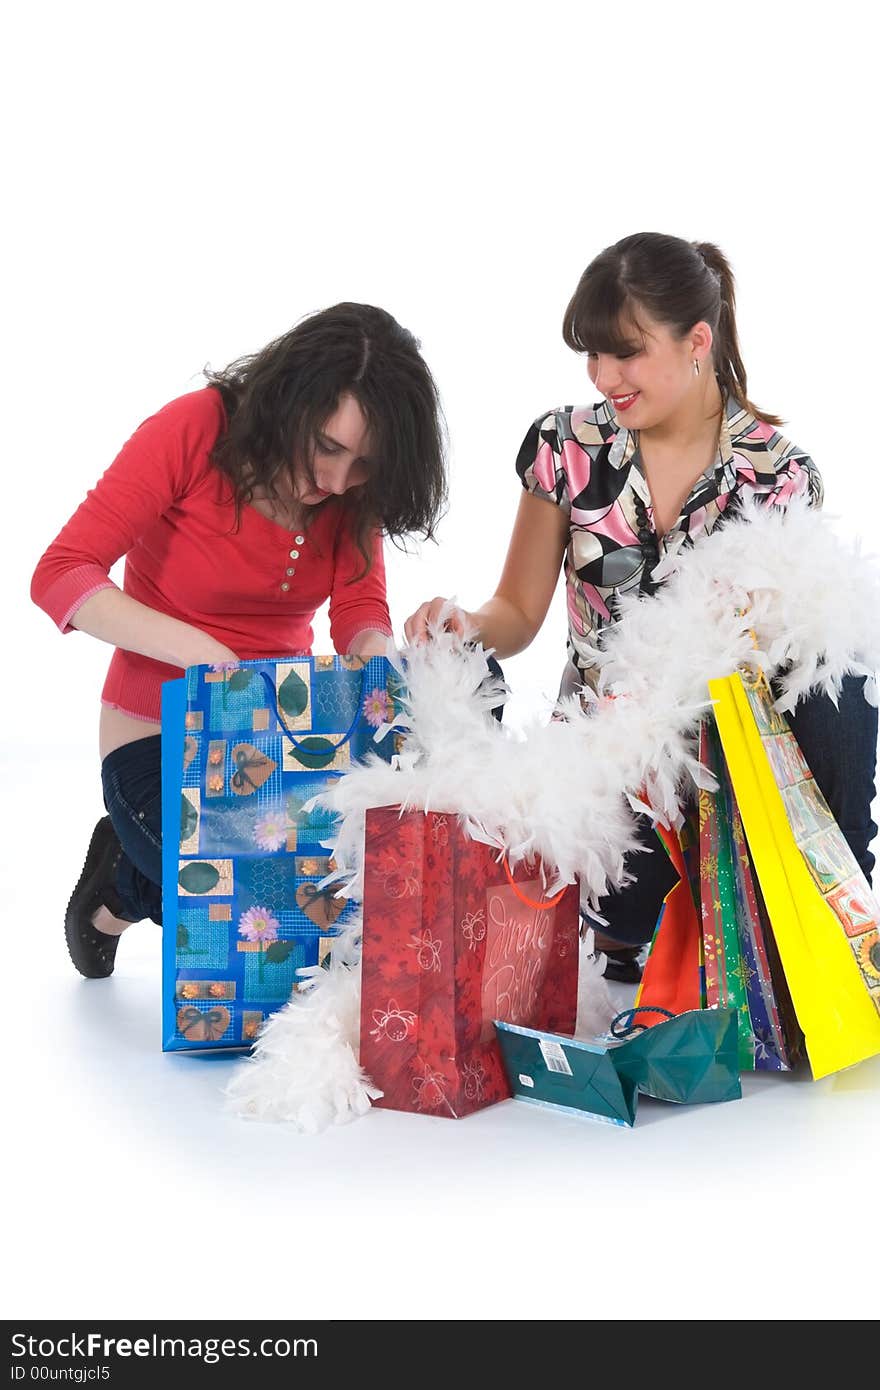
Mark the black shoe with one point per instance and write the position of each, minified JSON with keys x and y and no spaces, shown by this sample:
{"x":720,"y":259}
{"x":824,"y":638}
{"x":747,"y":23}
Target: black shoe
{"x":622,"y":966}
{"x":93,"y":952}
{"x":621,"y":962}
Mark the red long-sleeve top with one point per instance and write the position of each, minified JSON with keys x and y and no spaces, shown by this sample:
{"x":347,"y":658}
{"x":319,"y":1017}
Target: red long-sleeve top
{"x":165,"y":507}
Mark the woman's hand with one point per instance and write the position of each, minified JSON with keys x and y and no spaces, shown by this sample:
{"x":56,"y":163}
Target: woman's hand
{"x":371,"y":642}
{"x":416,"y":627}
{"x":513,"y":616}
{"x":206,"y":652}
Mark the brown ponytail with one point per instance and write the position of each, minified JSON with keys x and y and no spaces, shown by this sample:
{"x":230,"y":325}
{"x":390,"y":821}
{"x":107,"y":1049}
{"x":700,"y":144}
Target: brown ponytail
{"x":729,"y":367}
{"x":680,"y":283}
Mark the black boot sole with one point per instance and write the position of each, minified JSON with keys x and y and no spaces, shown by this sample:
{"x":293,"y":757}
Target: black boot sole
{"x":93,"y":952}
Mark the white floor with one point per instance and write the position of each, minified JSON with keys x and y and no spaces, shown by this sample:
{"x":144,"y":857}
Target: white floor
{"x":130,"y":1193}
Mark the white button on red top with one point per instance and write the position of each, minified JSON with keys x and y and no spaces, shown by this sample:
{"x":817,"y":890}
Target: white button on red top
{"x":300,"y":540}
{"x":294,"y":554}
{"x":284,"y":588}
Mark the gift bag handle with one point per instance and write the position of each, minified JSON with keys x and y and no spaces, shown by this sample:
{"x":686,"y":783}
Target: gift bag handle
{"x":625,"y":1029}
{"x":298,"y":746}
{"x":529,"y":902}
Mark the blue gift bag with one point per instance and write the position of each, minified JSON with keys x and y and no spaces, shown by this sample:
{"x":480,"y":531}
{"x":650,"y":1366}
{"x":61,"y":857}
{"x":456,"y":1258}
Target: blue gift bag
{"x":244,"y":750}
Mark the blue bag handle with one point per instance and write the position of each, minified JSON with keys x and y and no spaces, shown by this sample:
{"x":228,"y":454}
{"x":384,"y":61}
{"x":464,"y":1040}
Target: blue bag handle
{"x":628,"y":1027}
{"x":273,"y":705}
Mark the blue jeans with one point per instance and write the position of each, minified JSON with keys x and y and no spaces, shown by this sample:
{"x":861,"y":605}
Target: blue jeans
{"x":132,"y":780}
{"x":840,"y":746}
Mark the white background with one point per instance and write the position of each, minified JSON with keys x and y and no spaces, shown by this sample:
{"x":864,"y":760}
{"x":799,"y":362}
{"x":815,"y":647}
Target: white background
{"x":183,"y":183}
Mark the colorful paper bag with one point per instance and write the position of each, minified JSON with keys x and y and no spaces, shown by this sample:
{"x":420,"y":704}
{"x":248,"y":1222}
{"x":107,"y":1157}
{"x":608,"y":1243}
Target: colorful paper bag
{"x":823,"y":914}
{"x":736,"y":960}
{"x":244,"y":750}
{"x":453,"y":941}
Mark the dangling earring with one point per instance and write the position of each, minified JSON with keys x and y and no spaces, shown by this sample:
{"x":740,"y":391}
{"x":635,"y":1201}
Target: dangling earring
{"x":696,"y":367}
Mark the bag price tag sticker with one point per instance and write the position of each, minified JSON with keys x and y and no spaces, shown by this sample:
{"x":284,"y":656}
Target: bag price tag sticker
{"x":526,"y":1080}
{"x":554,"y":1056}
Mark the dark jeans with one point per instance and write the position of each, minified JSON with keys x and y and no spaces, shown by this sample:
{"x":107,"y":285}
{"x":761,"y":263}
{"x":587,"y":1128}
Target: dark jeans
{"x":840,"y":746}
{"x":132,"y":780}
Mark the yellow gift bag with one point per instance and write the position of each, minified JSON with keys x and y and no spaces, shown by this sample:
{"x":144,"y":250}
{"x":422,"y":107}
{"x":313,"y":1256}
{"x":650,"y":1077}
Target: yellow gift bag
{"x":823,"y":914}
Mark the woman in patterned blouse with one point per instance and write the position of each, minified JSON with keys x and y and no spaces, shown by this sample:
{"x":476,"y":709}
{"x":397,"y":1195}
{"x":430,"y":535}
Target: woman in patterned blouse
{"x":611,"y":488}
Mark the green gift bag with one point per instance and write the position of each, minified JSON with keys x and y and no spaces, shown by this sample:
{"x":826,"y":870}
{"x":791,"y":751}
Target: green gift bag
{"x":738,"y":955}
{"x":690,"y":1058}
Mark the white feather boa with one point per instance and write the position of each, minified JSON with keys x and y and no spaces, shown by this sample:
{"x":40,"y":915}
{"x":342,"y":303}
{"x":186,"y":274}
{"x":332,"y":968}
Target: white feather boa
{"x":779,"y":580}
{"x":304,"y":1068}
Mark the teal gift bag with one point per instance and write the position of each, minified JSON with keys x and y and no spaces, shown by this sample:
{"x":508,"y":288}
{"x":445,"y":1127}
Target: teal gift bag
{"x":244,"y":750}
{"x":689,"y":1059}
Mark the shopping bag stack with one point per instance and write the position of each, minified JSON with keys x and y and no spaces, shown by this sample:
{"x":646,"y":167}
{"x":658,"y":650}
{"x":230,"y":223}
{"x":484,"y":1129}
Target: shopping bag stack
{"x":781,"y":924}
{"x":245,"y":750}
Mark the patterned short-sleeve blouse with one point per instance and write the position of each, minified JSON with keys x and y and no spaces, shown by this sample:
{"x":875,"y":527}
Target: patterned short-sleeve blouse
{"x":585,"y":461}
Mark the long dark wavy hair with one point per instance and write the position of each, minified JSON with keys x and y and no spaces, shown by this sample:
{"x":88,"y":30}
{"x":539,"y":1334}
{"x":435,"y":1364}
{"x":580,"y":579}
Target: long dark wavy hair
{"x":679,"y":283}
{"x":278,"y":400}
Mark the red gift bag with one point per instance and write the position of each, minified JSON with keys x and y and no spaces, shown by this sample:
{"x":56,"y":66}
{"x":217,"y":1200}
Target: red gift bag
{"x":452,"y":941}
{"x":671,"y":978}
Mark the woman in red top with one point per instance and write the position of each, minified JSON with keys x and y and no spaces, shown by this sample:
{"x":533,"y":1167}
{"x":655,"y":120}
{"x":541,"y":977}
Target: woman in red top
{"x":241,"y":508}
